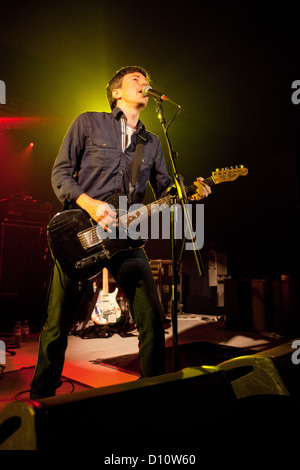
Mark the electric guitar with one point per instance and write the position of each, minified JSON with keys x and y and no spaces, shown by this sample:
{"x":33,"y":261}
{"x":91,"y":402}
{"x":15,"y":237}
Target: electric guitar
{"x":107,"y":310}
{"x":82,"y":247}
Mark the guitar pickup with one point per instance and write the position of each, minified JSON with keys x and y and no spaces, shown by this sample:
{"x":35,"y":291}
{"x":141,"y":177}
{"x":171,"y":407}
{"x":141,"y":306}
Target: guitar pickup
{"x":89,"y":238}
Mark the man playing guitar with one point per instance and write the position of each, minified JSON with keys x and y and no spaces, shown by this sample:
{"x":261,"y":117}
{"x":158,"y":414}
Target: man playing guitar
{"x":93,"y":162}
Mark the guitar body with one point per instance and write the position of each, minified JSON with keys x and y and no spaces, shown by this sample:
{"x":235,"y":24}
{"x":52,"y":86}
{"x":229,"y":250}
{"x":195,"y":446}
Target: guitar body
{"x":81,"y":246}
{"x":107,"y":310}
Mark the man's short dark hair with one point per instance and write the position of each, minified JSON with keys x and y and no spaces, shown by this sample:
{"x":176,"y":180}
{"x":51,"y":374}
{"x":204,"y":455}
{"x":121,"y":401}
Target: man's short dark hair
{"x":116,"y":81}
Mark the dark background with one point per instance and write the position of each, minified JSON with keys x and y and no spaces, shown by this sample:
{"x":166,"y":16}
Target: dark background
{"x":230,"y":65}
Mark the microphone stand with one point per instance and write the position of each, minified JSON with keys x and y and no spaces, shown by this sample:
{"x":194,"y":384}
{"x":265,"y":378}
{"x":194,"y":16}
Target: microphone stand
{"x":176,"y":192}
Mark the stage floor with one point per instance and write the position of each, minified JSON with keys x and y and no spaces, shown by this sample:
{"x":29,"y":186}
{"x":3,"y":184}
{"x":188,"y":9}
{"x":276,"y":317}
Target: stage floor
{"x":99,"y":362}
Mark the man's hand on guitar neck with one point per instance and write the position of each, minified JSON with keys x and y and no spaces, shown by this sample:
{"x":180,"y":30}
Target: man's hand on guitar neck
{"x":100,"y":211}
{"x":202,"y":190}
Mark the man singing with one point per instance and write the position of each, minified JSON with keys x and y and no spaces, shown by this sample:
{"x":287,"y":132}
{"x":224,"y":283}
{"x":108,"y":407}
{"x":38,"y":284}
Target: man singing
{"x":94,"y":161}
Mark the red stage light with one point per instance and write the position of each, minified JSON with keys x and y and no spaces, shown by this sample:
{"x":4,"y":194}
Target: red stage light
{"x":20,"y":122}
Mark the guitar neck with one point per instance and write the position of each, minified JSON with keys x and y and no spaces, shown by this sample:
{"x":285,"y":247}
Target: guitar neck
{"x":193,"y":188}
{"x":105,"y":281}
{"x":219,"y":176}
{"x":209,"y":181}
{"x":166,"y":201}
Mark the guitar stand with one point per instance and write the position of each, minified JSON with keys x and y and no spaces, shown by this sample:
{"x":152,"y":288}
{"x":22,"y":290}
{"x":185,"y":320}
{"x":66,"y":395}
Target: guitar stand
{"x":177,"y":193}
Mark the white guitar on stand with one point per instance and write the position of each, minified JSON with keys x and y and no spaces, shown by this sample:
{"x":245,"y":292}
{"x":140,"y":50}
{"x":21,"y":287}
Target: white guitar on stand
{"x":107,"y":310}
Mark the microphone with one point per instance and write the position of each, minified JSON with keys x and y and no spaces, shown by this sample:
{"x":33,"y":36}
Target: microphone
{"x":148,"y":91}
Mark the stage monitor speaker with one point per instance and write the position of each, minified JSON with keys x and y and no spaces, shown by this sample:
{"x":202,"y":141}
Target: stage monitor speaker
{"x":267,"y":388}
{"x":270,"y":372}
{"x":179,"y":408}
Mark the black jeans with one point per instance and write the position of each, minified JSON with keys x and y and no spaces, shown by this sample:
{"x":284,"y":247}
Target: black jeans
{"x":132,"y":272}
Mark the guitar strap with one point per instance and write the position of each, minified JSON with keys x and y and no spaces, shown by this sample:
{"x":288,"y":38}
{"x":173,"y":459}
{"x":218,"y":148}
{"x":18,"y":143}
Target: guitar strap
{"x":137,"y":160}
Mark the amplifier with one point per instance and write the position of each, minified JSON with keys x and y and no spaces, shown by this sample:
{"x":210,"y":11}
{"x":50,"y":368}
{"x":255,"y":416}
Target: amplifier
{"x":25,"y":210}
{"x":25,"y":264}
{"x":162,"y":273}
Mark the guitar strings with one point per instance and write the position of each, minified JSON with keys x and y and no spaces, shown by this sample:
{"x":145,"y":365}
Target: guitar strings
{"x":147,"y":209}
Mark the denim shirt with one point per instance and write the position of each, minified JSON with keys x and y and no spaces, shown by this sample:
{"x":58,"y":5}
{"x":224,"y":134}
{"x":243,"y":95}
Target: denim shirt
{"x":92,"y":160}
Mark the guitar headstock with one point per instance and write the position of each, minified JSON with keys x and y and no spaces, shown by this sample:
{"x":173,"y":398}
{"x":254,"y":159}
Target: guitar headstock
{"x":222,"y":175}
